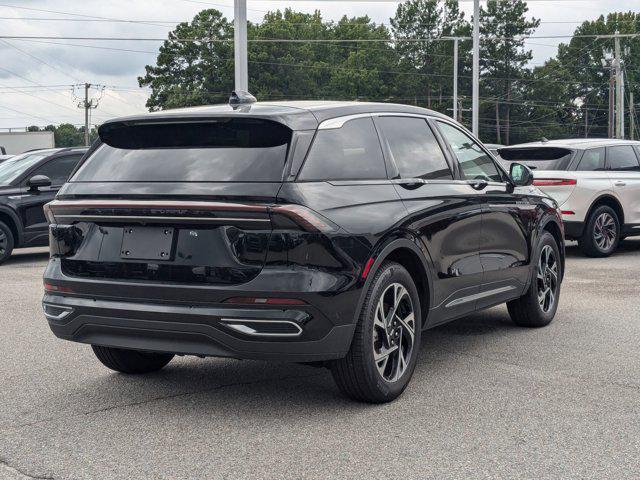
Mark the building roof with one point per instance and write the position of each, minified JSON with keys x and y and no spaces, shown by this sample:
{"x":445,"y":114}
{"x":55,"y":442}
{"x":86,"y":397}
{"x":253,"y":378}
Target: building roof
{"x":297,"y":115}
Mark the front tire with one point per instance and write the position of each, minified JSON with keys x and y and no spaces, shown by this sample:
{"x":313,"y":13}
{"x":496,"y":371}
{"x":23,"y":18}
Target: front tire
{"x":131,"y":361}
{"x":602,"y":233}
{"x":7,"y":242}
{"x":538,"y":306}
{"x":386,"y":341}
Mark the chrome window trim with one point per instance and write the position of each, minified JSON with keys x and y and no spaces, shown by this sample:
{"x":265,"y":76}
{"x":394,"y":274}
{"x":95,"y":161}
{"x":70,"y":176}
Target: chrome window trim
{"x":338,"y":122}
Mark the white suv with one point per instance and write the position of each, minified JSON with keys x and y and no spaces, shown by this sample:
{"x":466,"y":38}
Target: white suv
{"x":596,"y":182}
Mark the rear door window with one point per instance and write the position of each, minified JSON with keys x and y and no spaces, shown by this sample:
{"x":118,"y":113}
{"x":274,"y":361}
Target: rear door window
{"x":414,"y":148}
{"x":474,"y":162}
{"x":220,"y":150}
{"x":351,"y":152}
{"x":622,"y":158}
{"x":592,"y":160}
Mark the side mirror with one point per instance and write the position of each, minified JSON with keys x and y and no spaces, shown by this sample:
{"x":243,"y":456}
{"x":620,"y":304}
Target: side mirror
{"x":38,"y":181}
{"x":521,"y":175}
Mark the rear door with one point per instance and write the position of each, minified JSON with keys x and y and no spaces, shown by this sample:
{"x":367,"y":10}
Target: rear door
{"x":624,"y":171}
{"x":507,"y":220}
{"x":444,"y":212}
{"x":32,"y":202}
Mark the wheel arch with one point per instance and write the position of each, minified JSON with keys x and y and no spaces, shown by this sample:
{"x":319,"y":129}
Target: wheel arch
{"x":12,"y":220}
{"x":610,"y":201}
{"x":406,"y":251}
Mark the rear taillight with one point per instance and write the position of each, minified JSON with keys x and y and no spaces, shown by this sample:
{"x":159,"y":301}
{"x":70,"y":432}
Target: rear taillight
{"x":49,"y":213}
{"x":554,"y":182}
{"x":305,"y":218}
{"x":48,"y":287}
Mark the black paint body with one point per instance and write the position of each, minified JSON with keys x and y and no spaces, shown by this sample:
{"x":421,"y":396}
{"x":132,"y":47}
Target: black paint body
{"x":458,"y":241}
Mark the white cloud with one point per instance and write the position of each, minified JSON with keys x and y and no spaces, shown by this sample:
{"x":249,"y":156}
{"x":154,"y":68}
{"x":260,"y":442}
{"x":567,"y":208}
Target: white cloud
{"x":71,"y":64}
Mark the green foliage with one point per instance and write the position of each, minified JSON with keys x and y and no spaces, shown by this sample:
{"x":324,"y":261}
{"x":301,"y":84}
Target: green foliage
{"x":518,"y":103}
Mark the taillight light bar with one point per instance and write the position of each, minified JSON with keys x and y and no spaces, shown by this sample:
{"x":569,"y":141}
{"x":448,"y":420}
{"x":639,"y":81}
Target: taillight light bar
{"x":49,"y":287}
{"x":305,"y":217}
{"x":554,"y":182}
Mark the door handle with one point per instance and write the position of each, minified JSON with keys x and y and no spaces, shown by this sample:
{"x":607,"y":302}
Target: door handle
{"x":620,"y":183}
{"x":410,"y":183}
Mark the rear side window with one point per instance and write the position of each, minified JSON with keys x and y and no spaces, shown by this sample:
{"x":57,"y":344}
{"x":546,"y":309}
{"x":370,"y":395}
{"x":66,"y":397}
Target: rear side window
{"x":474,"y":162}
{"x":540,"y":158}
{"x":59,"y":169}
{"x":220,"y":150}
{"x":622,"y":158}
{"x":351,"y":152}
{"x":592,"y":160}
{"x":414,"y":148}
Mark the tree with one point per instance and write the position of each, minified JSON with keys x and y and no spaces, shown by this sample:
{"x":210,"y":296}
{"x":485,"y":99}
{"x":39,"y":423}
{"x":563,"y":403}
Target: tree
{"x":67,"y":135}
{"x":33,"y":128}
{"x":193,"y":72}
{"x":503,"y":58}
{"x":430,"y":64}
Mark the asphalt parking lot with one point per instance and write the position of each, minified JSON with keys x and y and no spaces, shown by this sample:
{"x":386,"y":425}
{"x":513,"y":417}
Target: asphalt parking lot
{"x":488,"y":400}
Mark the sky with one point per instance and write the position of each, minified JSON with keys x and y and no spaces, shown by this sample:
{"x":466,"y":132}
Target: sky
{"x":36,"y":76}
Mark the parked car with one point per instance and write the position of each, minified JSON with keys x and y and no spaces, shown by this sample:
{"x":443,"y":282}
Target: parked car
{"x":330,"y":233}
{"x":596,"y":182}
{"x":493,"y":147}
{"x":27,"y":182}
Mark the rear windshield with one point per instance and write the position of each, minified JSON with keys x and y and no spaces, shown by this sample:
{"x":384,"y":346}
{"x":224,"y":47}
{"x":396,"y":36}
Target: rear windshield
{"x":540,"y":158}
{"x":222,"y":150}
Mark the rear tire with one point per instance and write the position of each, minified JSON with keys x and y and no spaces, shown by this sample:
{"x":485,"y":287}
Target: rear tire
{"x":131,"y":361}
{"x":601,"y":234}
{"x":386,"y":341}
{"x":7,"y":242}
{"x":538,"y":306}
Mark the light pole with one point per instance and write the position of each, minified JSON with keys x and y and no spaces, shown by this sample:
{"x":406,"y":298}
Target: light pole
{"x":240,"y":45}
{"x":475,"y":93}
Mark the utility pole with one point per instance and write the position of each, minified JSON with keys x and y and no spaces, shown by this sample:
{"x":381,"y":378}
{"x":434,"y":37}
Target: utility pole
{"x":86,"y":113}
{"x":619,"y":108}
{"x":475,"y":101}
{"x":586,"y":121}
{"x":455,"y":79}
{"x":607,"y":64}
{"x":240,"y":45}
{"x":632,"y":120}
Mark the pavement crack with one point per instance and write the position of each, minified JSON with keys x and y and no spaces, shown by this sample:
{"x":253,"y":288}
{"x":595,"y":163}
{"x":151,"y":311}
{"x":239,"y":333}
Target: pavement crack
{"x":165,"y":397}
{"x":20,"y":474}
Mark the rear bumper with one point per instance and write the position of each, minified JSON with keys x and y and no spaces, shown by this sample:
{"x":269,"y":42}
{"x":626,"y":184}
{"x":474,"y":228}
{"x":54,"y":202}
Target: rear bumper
{"x":202,"y":331}
{"x":573,"y":230}
{"x":196,"y":320}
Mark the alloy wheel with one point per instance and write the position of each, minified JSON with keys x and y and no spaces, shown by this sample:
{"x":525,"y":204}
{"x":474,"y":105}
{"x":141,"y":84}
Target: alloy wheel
{"x":547,"y":278}
{"x":3,"y":242}
{"x":604,"y":231}
{"x":394,"y":327}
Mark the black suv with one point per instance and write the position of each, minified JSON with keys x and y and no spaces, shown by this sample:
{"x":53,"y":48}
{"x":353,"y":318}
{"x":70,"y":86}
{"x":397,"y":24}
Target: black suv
{"x":27,"y":183}
{"x":325,"y":233}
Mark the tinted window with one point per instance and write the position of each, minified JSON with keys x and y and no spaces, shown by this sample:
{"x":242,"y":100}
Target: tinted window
{"x":474,"y":162}
{"x":540,"y":158}
{"x":592,"y":160}
{"x":58,"y":169}
{"x":622,"y":158}
{"x":351,"y":152}
{"x":414,"y":148}
{"x":223,"y":150}
{"x":12,"y":168}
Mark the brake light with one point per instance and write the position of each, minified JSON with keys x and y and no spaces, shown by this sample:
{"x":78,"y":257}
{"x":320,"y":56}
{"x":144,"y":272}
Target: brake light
{"x":264,"y":301}
{"x":305,"y":218}
{"x":56,"y":288}
{"x":554,"y":182}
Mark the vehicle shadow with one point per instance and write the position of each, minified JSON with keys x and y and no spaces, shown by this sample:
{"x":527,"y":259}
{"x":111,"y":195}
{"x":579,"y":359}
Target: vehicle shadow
{"x":629,"y":246}
{"x":242,"y":389}
{"x":28,"y":255}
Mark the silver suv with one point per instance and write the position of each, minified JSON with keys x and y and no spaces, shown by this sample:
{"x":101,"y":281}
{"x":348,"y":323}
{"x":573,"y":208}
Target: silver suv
{"x":596,"y":182}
